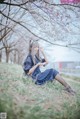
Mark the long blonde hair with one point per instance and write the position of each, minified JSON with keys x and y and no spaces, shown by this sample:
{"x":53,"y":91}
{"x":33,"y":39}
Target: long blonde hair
{"x":32,"y":44}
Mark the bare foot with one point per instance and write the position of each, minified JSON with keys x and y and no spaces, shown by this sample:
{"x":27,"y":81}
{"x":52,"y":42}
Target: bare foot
{"x":69,"y":90}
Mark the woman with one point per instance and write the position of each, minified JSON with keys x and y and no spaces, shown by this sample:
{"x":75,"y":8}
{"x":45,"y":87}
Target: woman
{"x":33,"y":63}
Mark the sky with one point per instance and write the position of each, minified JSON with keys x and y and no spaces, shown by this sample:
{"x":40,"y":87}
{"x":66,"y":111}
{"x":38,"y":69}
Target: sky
{"x":58,"y":53}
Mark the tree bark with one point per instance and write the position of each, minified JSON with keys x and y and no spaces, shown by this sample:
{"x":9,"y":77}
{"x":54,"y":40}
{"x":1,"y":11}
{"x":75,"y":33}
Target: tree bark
{"x":15,"y":57}
{"x":0,"y":56}
{"x":7,"y":56}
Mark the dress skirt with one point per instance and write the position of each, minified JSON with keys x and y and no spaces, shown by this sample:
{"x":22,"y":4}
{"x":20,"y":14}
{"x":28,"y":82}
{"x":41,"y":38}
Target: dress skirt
{"x":42,"y":77}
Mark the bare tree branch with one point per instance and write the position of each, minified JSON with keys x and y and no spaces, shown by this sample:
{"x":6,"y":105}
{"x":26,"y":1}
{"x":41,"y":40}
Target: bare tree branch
{"x":67,"y":4}
{"x":6,"y":3}
{"x":2,"y":48}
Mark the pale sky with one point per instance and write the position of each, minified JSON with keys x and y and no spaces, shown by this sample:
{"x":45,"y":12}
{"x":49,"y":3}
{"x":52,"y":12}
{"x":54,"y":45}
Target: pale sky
{"x":57,"y":53}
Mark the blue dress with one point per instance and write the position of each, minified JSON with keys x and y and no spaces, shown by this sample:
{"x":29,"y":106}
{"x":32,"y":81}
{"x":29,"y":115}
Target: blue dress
{"x":38,"y":76}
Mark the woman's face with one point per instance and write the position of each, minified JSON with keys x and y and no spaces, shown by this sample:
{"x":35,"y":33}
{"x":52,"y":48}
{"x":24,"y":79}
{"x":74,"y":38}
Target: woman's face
{"x":35,"y":48}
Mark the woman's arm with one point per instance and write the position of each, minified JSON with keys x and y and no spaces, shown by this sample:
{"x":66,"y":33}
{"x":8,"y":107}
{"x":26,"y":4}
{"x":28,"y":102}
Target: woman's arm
{"x":46,"y":61}
{"x":34,"y":67}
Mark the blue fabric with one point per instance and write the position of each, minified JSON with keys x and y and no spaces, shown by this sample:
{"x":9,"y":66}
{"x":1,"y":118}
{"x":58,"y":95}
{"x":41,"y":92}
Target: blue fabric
{"x":39,"y":77}
{"x":37,"y":70}
{"x":28,"y":63}
{"x":47,"y":75}
{"x":42,"y":77}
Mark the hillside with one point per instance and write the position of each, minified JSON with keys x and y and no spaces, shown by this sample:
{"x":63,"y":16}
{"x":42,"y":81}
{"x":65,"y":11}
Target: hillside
{"x":20,"y":98}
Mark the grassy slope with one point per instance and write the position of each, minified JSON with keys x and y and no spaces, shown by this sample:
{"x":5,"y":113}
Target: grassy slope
{"x":22,"y":99}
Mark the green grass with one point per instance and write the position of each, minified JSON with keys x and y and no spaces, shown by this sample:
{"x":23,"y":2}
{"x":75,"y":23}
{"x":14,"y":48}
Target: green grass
{"x":75,"y":78}
{"x":20,"y":98}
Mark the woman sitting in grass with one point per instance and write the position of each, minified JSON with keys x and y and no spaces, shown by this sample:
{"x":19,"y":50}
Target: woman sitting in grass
{"x":32,"y":65}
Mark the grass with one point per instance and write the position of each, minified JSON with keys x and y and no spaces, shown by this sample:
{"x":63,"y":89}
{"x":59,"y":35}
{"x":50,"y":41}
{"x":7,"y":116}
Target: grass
{"x":20,"y":98}
{"x":72,"y":77}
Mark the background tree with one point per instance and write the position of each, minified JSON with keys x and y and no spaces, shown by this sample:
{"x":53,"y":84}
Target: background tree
{"x":56,"y":24}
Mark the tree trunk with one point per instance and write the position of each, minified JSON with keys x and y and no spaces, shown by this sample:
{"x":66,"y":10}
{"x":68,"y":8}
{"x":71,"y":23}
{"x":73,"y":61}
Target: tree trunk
{"x":15,"y":57}
{"x":7,"y":56}
{"x":18,"y":58}
{"x":0,"y":56}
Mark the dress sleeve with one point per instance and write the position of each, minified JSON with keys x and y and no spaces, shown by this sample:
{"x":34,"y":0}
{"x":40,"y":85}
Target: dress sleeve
{"x":27,"y":64}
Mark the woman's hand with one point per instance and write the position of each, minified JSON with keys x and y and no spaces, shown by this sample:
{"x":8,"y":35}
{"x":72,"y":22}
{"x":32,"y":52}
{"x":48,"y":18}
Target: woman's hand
{"x":34,"y":67}
{"x":40,"y":64}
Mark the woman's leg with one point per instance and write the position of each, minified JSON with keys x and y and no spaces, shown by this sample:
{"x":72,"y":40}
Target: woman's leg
{"x":61,"y":80}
